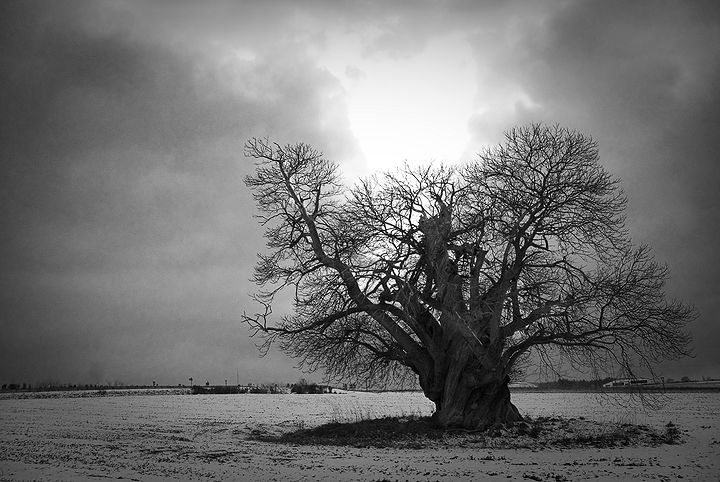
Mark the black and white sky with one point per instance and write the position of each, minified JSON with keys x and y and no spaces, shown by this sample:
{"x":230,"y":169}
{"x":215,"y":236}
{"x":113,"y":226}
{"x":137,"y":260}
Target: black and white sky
{"x":127,"y":233}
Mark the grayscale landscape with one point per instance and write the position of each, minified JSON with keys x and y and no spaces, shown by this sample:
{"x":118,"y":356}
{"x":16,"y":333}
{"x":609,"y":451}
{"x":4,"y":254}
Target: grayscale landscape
{"x":385,"y":240}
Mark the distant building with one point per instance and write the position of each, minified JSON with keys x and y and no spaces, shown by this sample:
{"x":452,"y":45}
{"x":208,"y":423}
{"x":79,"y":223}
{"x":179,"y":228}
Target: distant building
{"x":626,"y":382}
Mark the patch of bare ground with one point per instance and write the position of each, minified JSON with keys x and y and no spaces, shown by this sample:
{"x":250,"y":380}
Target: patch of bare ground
{"x":534,"y":433}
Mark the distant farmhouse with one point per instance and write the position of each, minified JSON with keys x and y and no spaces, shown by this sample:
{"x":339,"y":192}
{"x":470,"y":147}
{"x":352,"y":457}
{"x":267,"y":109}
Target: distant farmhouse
{"x":626,"y":382}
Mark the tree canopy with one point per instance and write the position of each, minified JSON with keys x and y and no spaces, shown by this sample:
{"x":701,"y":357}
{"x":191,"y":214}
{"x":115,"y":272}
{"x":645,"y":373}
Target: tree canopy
{"x":457,"y":273}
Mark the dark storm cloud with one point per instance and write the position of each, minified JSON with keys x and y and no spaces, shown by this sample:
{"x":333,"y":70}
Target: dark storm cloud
{"x":641,"y":78}
{"x":127,"y":233}
{"x":126,"y":242}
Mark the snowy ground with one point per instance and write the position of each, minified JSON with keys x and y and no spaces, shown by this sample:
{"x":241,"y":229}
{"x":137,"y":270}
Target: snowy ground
{"x":205,"y":437}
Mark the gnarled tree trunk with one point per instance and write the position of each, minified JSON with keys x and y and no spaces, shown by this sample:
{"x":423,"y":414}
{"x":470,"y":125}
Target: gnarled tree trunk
{"x":467,"y":393}
{"x":477,"y":406}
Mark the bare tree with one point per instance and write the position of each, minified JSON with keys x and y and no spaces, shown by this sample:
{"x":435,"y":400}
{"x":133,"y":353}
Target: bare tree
{"x":458,"y":274}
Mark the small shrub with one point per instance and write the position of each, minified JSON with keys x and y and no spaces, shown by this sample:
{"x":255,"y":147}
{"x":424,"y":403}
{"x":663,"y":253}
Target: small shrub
{"x":532,"y":429}
{"x":672,"y":434}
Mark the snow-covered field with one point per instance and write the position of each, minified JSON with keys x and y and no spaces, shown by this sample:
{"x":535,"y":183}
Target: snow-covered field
{"x":165,"y":435}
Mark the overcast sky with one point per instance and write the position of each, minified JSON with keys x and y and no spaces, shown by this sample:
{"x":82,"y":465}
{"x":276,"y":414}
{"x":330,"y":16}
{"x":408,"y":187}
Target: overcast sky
{"x":127,"y":232}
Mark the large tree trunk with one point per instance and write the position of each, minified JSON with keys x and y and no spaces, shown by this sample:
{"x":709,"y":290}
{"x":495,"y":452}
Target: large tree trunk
{"x":467,"y":394}
{"x":467,"y":383}
{"x":477,"y":407}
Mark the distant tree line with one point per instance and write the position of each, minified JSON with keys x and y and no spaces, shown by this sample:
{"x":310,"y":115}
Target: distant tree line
{"x":49,"y":386}
{"x":581,"y":385}
{"x":304,"y":387}
{"x":233,"y":389}
{"x":565,"y":384}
